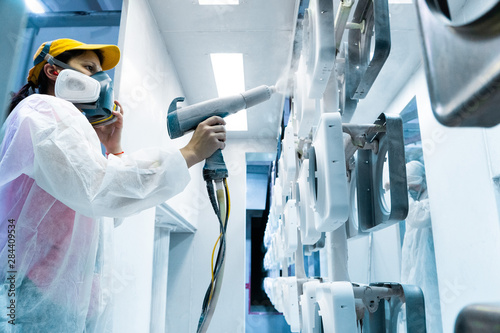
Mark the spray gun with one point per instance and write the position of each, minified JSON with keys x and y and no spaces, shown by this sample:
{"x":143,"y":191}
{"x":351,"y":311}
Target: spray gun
{"x":179,"y":122}
{"x":182,"y":120}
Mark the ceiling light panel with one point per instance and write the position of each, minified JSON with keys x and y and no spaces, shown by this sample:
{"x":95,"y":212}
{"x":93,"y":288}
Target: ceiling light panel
{"x":35,"y":6}
{"x":219,"y":2}
{"x":230,"y":80}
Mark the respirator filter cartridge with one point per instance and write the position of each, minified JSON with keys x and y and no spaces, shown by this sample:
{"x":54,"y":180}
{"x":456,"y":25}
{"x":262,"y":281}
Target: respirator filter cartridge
{"x":76,"y":87}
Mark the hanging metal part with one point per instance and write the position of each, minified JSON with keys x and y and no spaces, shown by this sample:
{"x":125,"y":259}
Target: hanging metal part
{"x":359,"y":26}
{"x":378,"y":298}
{"x":341,"y":20}
{"x":380,"y":203}
{"x":357,"y":139}
{"x":372,"y":295}
{"x":363,"y":67}
{"x":461,"y":64}
{"x":359,"y":67}
{"x":347,"y":105}
{"x":478,"y":318}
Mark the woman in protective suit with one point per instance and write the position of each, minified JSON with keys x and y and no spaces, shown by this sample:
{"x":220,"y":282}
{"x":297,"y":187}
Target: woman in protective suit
{"x":418,"y":258}
{"x":56,"y":186}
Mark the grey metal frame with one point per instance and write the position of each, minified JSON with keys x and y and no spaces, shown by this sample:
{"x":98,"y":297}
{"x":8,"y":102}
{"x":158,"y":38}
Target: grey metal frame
{"x":360,"y":69}
{"x":394,"y":295}
{"x":461,"y":65}
{"x":372,"y":215}
{"x":478,"y":318}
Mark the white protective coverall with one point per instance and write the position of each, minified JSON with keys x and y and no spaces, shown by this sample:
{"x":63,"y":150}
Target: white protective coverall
{"x":56,"y":186}
{"x":418,"y":258}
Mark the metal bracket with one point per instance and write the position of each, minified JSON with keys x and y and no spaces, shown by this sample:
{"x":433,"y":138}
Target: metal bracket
{"x":395,"y":295}
{"x":363,"y":68}
{"x":356,"y":139}
{"x":374,"y":212}
{"x":478,"y":318}
{"x":347,"y":105}
{"x":461,"y":64}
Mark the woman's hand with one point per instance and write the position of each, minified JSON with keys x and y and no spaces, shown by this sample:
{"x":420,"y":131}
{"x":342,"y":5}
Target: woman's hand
{"x":111,"y":135}
{"x":209,"y":136}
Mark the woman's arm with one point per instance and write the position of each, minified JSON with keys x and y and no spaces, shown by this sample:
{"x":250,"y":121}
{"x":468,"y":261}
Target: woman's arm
{"x":68,"y":164}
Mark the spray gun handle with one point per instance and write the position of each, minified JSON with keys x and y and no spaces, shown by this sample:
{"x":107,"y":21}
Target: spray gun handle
{"x":215,"y":168}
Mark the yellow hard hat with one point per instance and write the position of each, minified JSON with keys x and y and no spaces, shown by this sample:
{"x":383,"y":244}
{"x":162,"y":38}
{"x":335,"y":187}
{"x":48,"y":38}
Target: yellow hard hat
{"x":110,"y":54}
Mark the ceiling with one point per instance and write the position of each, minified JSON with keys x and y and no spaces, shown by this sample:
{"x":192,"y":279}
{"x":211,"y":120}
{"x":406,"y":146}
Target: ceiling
{"x":264,"y":31}
{"x":81,"y":5}
{"x":260,"y":29}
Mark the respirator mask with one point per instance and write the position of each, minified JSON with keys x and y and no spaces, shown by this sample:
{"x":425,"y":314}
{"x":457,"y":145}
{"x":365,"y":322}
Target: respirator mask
{"x":91,"y":94}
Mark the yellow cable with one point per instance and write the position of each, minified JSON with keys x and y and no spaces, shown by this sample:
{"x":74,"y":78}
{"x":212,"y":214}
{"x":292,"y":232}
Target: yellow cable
{"x":212,"y":265}
{"x":213,"y":253}
{"x":223,"y":216}
{"x":228,"y":197}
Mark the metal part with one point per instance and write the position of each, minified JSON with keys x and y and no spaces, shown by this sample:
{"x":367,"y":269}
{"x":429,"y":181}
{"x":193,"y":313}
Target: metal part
{"x":360,"y":26}
{"x":352,"y":223}
{"x":109,"y":18}
{"x":341,"y":20}
{"x":479,"y":318}
{"x":356,"y":138}
{"x":461,"y":64}
{"x":378,"y":298}
{"x":363,"y":67}
{"x":373,"y":211}
{"x":372,"y":295}
{"x":357,"y":67}
{"x":347,"y":106}
{"x":358,"y":135}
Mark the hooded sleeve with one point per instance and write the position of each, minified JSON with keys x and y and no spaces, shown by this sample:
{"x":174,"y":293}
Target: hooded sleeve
{"x":62,"y":153}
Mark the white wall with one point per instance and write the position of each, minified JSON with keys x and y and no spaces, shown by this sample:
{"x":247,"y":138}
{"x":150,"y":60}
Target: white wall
{"x":460,"y":164}
{"x":14,"y":16}
{"x":378,"y":260}
{"x":190,"y":255}
{"x":146,"y":82}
